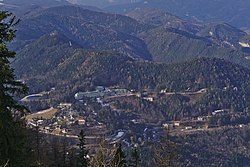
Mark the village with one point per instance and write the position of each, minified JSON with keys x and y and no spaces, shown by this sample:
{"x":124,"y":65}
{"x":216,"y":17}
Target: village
{"x":66,"y":121}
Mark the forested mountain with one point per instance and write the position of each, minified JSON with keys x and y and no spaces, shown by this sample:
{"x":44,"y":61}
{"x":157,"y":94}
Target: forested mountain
{"x":148,"y":36}
{"x":173,"y":45}
{"x":84,"y":70}
{"x":194,"y":75}
{"x":113,"y":69}
{"x":173,"y":39}
{"x":157,"y":17}
{"x":217,"y":31}
{"x":223,"y":143}
{"x":20,"y":7}
{"x":55,"y":36}
{"x":232,"y":11}
{"x":81,"y":49}
{"x":143,"y":76}
{"x":222,"y":33}
{"x":49,"y":50}
{"x":89,"y":29}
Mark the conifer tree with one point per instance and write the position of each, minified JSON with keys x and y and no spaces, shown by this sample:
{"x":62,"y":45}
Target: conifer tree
{"x":12,"y":141}
{"x":166,"y":152}
{"x":83,"y":160}
{"x":119,"y":159}
{"x":134,"y":160}
{"x":99,"y":159}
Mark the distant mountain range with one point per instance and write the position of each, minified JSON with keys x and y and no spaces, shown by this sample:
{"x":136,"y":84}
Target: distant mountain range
{"x":89,"y":29}
{"x":201,"y":62}
{"x":145,"y":34}
{"x":103,"y":3}
{"x":234,"y":12}
{"x":173,"y":39}
{"x":20,"y":7}
{"x":81,"y":48}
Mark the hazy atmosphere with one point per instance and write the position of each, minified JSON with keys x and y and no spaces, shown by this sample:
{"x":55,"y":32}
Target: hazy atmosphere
{"x":124,"y":83}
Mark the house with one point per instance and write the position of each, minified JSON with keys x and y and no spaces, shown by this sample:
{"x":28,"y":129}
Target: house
{"x":200,"y":119}
{"x":31,"y":124}
{"x":56,"y":131}
{"x":65,"y":105}
{"x":39,"y":122}
{"x":101,"y":92}
{"x":79,"y":96}
{"x":81,"y":121}
{"x":188,"y":127}
{"x":64,"y":131}
{"x":168,"y":126}
{"x":177,"y":123}
{"x":135,"y":121}
{"x":164,"y":91}
{"x":47,"y":128}
{"x":151,"y":99}
{"x":120,"y":91}
{"x":217,"y":111}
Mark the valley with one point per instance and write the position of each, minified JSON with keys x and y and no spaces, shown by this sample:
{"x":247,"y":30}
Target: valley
{"x":174,"y":84}
{"x":127,"y":118}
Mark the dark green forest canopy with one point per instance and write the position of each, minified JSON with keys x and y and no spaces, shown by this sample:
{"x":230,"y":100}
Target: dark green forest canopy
{"x":113,"y":69}
{"x":12,"y":140}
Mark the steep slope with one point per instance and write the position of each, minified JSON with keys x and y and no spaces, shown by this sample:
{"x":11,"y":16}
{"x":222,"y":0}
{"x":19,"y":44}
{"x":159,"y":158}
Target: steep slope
{"x":227,"y":84}
{"x":175,"y":39}
{"x":173,"y":45}
{"x":115,"y":21}
{"x":219,"y":32}
{"x":111,"y":69}
{"x":163,"y":37}
{"x":90,"y":29}
{"x":222,"y":33}
{"x":43,"y":55}
{"x":194,"y":75}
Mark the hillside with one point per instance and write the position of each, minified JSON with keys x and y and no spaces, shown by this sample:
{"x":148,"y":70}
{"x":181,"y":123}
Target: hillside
{"x":66,"y":35}
{"x":174,"y":40}
{"x":220,"y":32}
{"x":150,"y":34}
{"x":112,"y":69}
{"x":21,"y":7}
{"x":234,"y":12}
{"x":157,"y":17}
{"x":150,"y":85}
{"x":50,"y":49}
{"x":89,"y":29}
{"x":173,"y":45}
{"x":194,"y":75}
{"x":227,"y":84}
{"x":223,"y":33}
